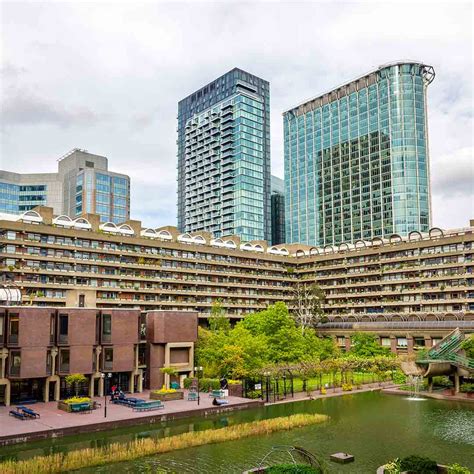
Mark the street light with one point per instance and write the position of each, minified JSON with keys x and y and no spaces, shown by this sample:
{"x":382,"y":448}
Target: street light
{"x":198,"y":370}
{"x":267,"y":384}
{"x":109,"y":375}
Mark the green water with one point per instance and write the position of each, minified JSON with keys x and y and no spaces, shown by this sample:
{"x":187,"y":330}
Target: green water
{"x":373,"y":427}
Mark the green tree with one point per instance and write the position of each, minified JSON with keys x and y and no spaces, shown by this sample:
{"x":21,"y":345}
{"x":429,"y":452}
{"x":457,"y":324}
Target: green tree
{"x":468,"y":346}
{"x":74,"y":381}
{"x":218,"y":320}
{"x":365,"y":344}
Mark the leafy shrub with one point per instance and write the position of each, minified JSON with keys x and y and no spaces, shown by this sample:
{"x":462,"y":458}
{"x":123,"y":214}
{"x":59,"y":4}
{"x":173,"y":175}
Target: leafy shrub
{"x":234,"y":382}
{"x":253,"y":394}
{"x":77,"y":400}
{"x":204,"y":384}
{"x":293,"y":469}
{"x":392,"y":467}
{"x":399,"y":377}
{"x":467,"y":388}
{"x":442,"y":381}
{"x":458,"y":469}
{"x":346,"y":387}
{"x":418,"y":465}
{"x":468,"y":346}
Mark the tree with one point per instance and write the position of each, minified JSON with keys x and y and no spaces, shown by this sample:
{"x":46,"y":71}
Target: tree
{"x":468,"y":346}
{"x":218,"y":320}
{"x":74,"y":381}
{"x":365,"y":344}
{"x":170,"y":372}
{"x":307,"y":305}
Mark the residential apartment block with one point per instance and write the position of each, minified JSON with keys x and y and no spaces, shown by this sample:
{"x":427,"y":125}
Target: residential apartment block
{"x":356,"y":159}
{"x":426,"y":279}
{"x":224,"y":158}
{"x":40,"y":346}
{"x":83,"y":184}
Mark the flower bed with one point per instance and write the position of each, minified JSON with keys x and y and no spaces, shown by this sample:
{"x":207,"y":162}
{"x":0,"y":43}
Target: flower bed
{"x":166,"y":394}
{"x":65,"y":405}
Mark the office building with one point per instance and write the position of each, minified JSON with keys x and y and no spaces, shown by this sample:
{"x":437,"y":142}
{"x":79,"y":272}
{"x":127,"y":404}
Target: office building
{"x":82,"y":184}
{"x":356,"y":159}
{"x":224,"y":158}
{"x":278,"y":210}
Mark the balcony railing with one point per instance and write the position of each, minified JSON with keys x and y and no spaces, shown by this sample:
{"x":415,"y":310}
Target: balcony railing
{"x":108,"y":365}
{"x":63,"y":339}
{"x":13,"y":339}
{"x":64,"y":367}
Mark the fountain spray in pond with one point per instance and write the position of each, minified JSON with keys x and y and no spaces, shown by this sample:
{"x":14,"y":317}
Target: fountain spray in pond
{"x":415,"y":383}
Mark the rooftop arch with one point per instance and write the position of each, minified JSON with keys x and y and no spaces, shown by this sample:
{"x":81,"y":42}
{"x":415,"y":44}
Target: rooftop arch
{"x":31,"y":216}
{"x":436,"y":232}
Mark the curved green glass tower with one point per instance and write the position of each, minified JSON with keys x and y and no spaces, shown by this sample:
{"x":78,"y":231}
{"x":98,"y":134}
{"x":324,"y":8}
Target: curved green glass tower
{"x":356,"y":159}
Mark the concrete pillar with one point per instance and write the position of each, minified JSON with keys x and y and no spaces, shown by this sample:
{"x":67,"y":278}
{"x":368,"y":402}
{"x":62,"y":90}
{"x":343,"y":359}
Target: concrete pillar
{"x":130,"y":382}
{"x":393,"y":344}
{"x":3,"y":356}
{"x":46,"y":391}
{"x":430,"y":384}
{"x":347,"y":342}
{"x":101,"y":387}
{"x":456,"y":383}
{"x":140,"y":380}
{"x":428,"y":342}
{"x":91,"y":386}
{"x":410,"y":344}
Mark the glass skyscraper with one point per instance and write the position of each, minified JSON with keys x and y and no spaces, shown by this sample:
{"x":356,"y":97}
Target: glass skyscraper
{"x":356,"y":159}
{"x":224,"y":158}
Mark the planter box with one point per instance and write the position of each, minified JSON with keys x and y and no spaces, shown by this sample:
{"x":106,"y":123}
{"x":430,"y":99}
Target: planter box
{"x":166,"y":397}
{"x":67,"y":406}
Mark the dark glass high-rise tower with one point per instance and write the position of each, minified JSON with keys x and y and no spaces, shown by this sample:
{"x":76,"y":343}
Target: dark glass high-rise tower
{"x":356,"y":159}
{"x":224,"y":158}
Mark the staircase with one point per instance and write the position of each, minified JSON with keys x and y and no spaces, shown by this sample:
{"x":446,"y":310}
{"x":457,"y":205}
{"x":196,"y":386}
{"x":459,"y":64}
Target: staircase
{"x":446,"y":351}
{"x":447,"y":346}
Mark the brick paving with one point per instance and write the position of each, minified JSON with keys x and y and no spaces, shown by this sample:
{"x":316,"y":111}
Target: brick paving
{"x":54,"y":419}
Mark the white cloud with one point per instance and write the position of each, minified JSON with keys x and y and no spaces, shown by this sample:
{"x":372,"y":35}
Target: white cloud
{"x":126,"y":66}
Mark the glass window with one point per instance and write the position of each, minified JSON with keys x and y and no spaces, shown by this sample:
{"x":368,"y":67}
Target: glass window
{"x":13,"y":328}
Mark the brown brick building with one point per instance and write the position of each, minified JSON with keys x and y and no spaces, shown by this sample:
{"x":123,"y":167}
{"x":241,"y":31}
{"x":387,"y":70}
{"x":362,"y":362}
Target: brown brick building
{"x":39,"y":347}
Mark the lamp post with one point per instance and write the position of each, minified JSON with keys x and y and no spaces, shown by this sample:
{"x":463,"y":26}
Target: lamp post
{"x":198,"y":370}
{"x":267,"y":385}
{"x":104,"y":376}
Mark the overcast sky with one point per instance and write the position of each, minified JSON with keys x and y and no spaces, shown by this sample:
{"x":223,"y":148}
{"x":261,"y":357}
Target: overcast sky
{"x":107,"y":77}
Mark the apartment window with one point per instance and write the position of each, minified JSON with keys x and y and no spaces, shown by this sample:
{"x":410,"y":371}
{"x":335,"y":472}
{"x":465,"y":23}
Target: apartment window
{"x":97,"y":328}
{"x":385,"y":342}
{"x":108,"y":358}
{"x":64,"y":360}
{"x":15,"y":362}
{"x":402,"y":342}
{"x":13,"y":328}
{"x":341,"y":341}
{"x":106,"y":328}
{"x":49,"y":363}
{"x":419,"y":341}
{"x":63,"y":328}
{"x":82,"y":301}
{"x":52,"y":324}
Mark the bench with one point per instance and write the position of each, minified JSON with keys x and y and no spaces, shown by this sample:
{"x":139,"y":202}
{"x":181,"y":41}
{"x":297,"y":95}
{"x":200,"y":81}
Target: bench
{"x":192,"y":396}
{"x":81,"y":407}
{"x":148,"y":406}
{"x":216,"y":393}
{"x":28,"y":412}
{"x":18,"y":415}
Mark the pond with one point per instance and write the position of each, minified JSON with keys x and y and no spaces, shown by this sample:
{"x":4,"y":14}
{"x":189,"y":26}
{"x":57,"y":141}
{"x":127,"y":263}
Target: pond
{"x":372,"y":426}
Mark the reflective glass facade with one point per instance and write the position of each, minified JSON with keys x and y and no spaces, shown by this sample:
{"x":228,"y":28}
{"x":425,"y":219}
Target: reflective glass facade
{"x":356,"y":159}
{"x":224,"y":158}
{"x":16,"y":198}
{"x":103,"y":194}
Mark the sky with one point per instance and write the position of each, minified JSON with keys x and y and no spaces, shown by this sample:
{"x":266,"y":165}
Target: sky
{"x":107,"y":77}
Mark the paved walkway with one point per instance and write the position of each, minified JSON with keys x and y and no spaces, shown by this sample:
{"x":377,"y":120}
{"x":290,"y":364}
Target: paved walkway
{"x":52,"y":419}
